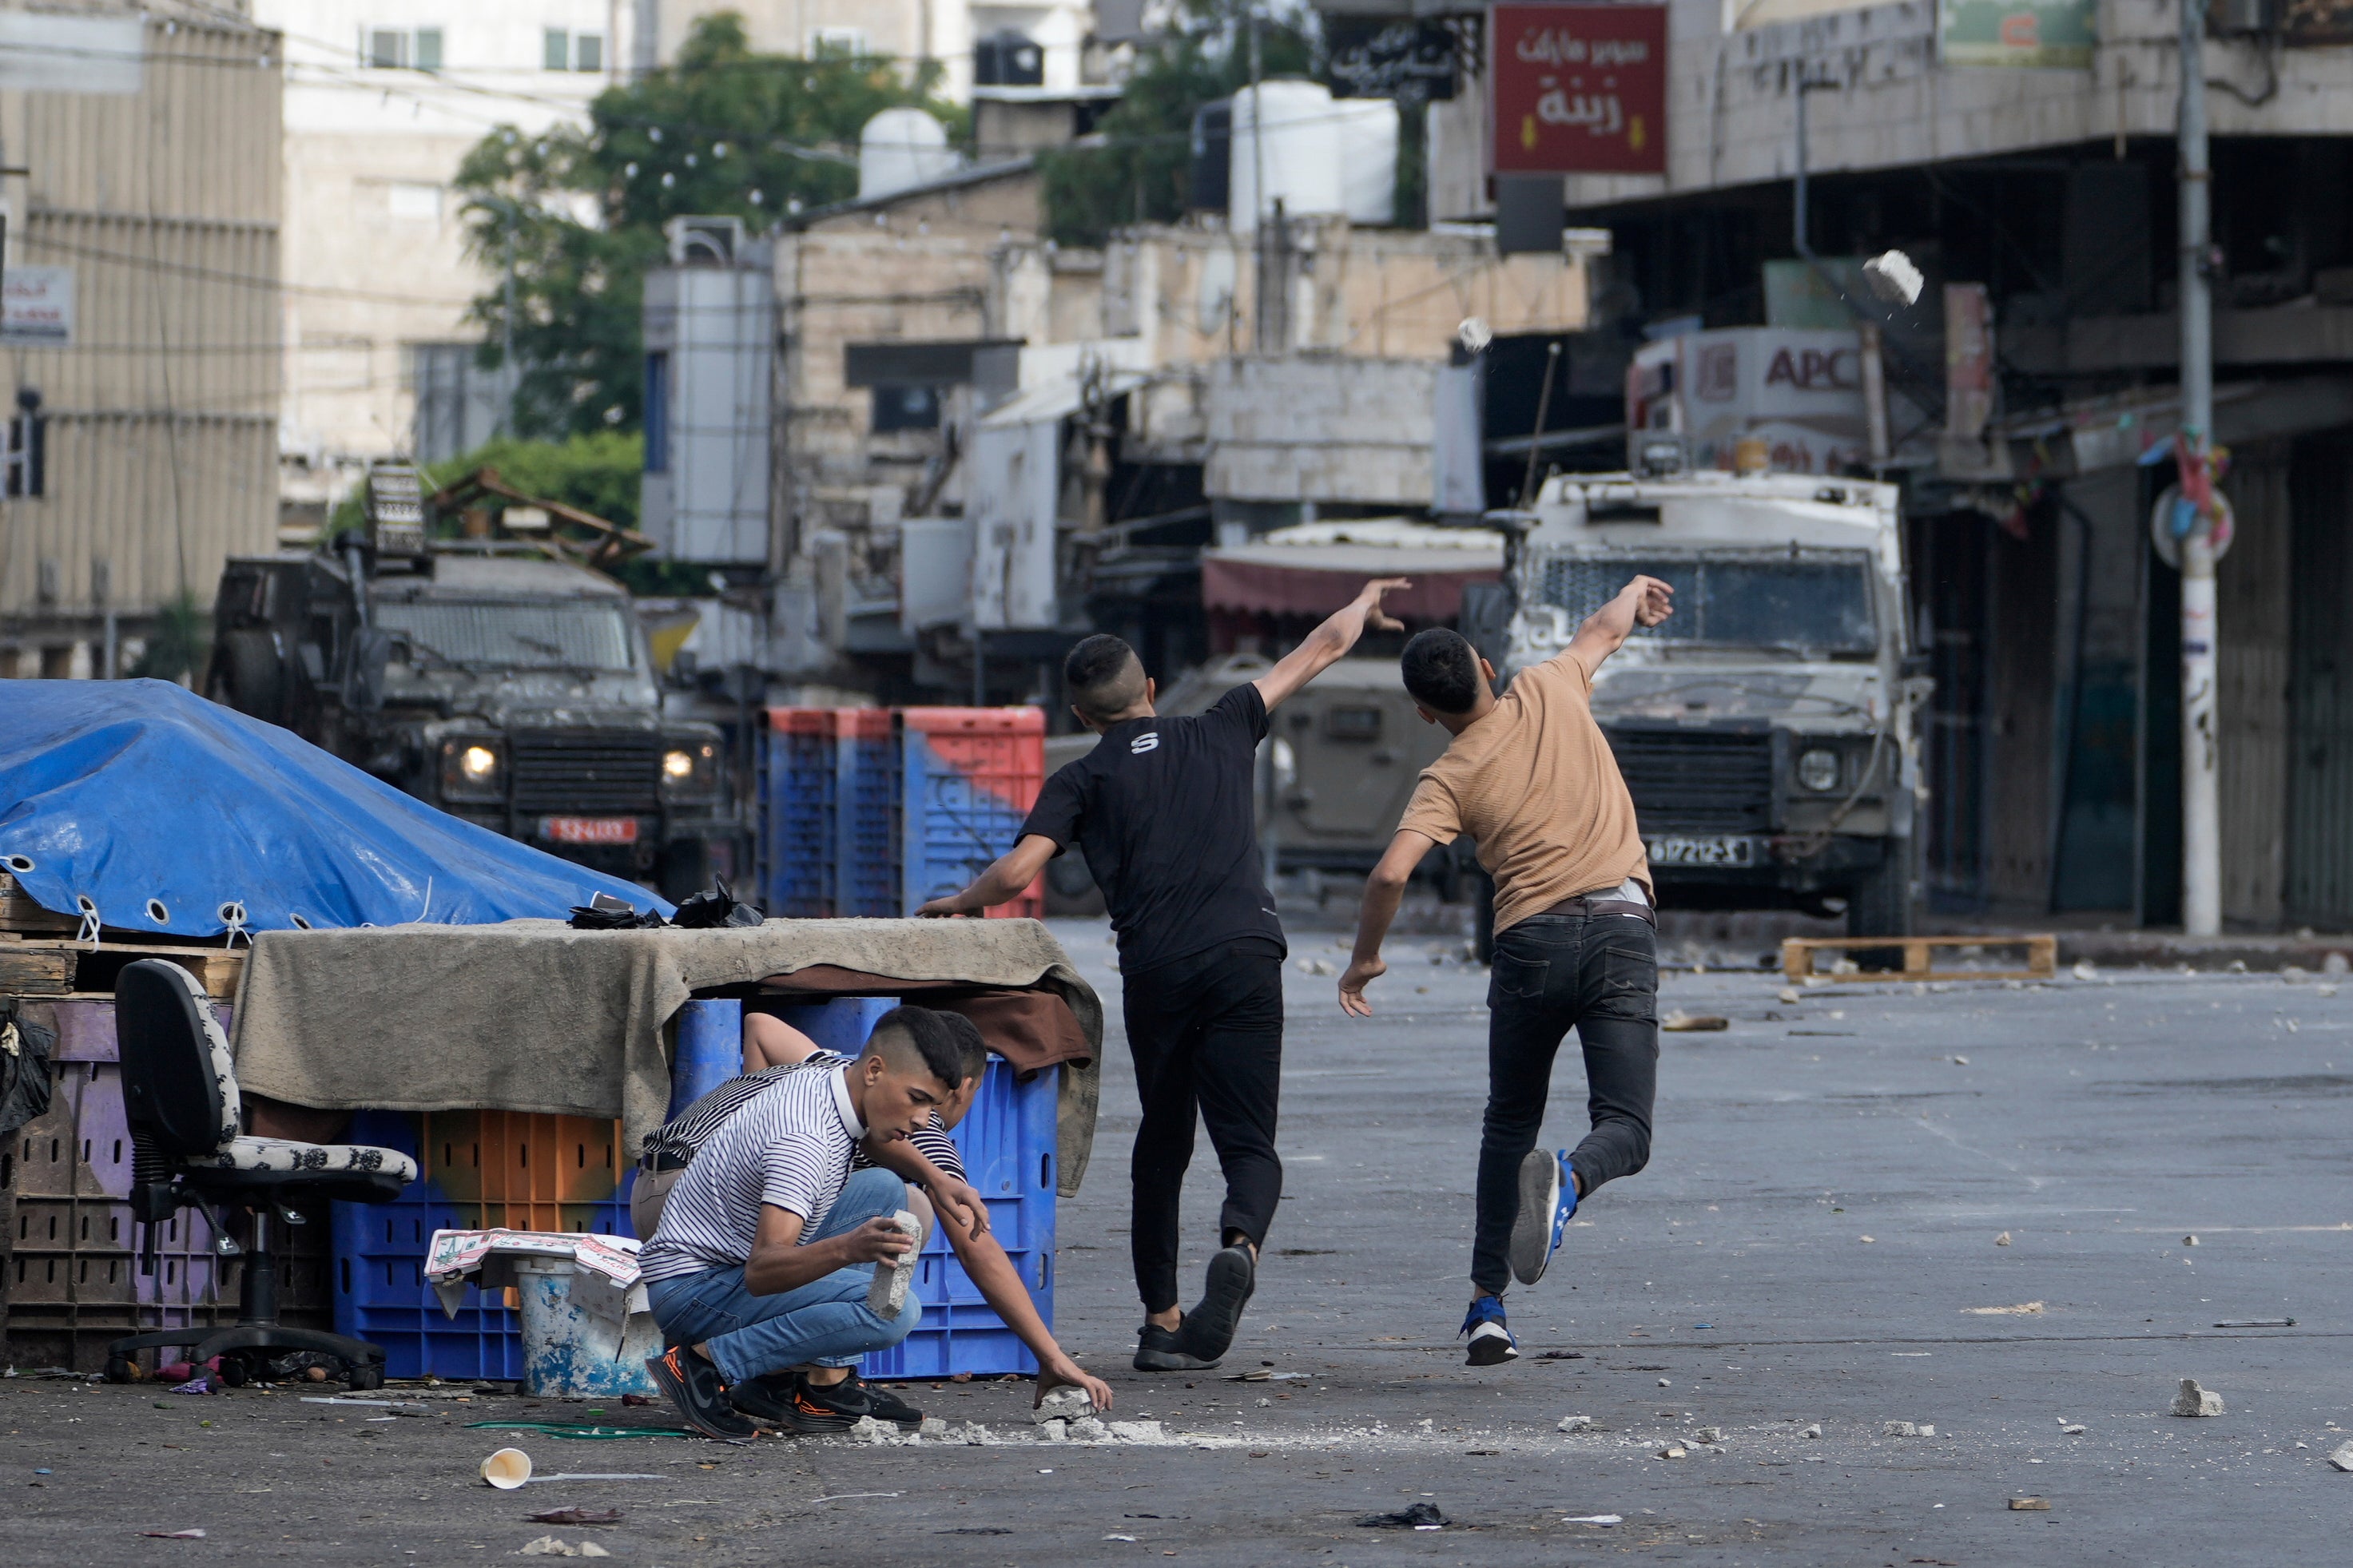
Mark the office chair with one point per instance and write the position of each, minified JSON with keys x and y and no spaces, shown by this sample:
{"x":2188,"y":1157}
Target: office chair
{"x":180,"y":1097}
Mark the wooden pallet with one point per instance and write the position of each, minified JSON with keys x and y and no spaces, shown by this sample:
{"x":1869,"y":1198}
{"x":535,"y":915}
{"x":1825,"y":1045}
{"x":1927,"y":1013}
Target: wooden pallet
{"x":2041,"y":956}
{"x":32,"y":967}
{"x":18,"y":912}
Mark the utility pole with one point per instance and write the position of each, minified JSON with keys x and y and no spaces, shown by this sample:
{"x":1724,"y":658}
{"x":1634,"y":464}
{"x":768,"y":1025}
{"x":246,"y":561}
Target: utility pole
{"x":2201,"y":824}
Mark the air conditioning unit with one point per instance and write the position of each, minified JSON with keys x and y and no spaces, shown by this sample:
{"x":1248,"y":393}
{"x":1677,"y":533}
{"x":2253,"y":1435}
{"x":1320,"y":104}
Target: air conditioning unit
{"x":705,"y":241}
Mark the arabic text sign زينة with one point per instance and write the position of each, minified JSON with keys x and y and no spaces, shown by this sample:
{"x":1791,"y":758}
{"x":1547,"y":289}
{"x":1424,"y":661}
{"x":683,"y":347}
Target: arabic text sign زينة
{"x":1579,"y":89}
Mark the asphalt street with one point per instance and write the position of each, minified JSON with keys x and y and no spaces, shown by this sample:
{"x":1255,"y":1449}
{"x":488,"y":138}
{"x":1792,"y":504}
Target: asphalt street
{"x":1819,"y":1239}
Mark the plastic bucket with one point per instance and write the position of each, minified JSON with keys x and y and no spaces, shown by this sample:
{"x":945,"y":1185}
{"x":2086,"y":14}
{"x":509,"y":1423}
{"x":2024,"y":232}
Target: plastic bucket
{"x":569,"y":1352}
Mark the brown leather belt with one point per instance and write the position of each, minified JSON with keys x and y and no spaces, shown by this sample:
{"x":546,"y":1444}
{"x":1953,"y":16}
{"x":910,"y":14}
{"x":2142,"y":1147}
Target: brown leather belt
{"x":1584,"y":904}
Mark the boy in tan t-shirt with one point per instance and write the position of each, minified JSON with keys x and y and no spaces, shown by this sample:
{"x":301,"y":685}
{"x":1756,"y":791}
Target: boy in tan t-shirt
{"x":1530,"y":776}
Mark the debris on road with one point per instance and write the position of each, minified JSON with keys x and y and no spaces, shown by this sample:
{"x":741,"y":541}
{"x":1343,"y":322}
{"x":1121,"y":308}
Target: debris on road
{"x":932,"y":1426}
{"x":2256,"y":1323}
{"x":2343,"y":1456}
{"x":1815,"y":1430}
{"x":1136,"y":1431}
{"x":577,"y":1516}
{"x":2071,"y":1428}
{"x":554,"y":1546}
{"x":2195,"y":1400}
{"x":1673,"y":1451}
{"x":2030,"y":1505}
{"x":2003,"y":1240}
{"x":1905,"y":1430}
{"x":2188,"y":1241}
{"x":1708,"y":1434}
{"x":1421,"y":1516}
{"x":1789,"y":994}
{"x":174,"y":1534}
{"x":1054,"y":1431}
{"x":1681,"y":1023}
{"x":2022,"y":1310}
{"x":1087,"y":1429}
{"x":1665,"y":1384}
{"x":1573,"y":1424}
{"x":1603,"y":1520}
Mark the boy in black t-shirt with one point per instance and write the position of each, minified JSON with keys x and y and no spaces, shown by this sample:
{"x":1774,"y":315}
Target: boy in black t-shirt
{"x":1165,"y":811}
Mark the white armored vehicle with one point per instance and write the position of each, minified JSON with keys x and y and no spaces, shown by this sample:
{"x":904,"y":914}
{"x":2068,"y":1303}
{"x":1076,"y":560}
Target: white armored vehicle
{"x":1765,"y":729}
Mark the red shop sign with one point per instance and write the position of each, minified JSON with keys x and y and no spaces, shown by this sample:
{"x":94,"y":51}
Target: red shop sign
{"x":1579,"y":89}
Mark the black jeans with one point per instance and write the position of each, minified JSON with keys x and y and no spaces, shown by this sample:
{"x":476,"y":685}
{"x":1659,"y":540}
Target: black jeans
{"x":1206,"y":1035}
{"x":1599,"y":975}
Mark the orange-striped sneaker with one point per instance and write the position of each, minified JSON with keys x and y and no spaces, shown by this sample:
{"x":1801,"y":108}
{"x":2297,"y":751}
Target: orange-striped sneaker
{"x":790,"y":1401}
{"x":695,"y":1386}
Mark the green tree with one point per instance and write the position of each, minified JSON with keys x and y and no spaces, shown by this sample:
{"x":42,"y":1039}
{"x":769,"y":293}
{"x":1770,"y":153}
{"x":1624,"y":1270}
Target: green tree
{"x":1140,"y":170}
{"x":579,"y":211}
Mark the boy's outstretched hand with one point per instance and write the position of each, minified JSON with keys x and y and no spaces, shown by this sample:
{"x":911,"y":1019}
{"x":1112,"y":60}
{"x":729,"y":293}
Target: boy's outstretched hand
{"x":1375,"y":618}
{"x":1654,"y":600}
{"x":1361,"y":974}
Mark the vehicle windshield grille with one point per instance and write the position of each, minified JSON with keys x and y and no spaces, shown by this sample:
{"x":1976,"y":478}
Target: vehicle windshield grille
{"x":1814,"y":604}
{"x":512,"y":637}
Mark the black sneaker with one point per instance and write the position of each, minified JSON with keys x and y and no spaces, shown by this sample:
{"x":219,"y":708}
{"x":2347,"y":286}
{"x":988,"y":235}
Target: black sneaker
{"x":884,"y":1405}
{"x":1207,"y":1331}
{"x":1162,"y":1350}
{"x":788,"y":1402}
{"x":695,"y":1386}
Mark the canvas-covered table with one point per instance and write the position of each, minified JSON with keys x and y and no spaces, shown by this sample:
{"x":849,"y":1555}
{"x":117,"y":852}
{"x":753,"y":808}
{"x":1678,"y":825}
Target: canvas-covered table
{"x":533,"y":1016}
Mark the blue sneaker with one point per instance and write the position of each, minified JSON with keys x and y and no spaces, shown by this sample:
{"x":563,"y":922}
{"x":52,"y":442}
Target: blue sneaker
{"x":1491,"y":1343}
{"x":1547,"y":1198}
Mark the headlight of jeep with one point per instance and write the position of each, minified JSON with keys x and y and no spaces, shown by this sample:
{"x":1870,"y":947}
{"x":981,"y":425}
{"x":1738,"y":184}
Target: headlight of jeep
{"x":1817,"y":770}
{"x":473,"y":768}
{"x":690,"y":770}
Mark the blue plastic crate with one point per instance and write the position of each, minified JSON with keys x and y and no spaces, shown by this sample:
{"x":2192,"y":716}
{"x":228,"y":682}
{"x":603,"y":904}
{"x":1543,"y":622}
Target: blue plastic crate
{"x":1008,"y":1142}
{"x":377,"y":1278}
{"x":795,"y":871}
{"x":867,"y":790}
{"x":959,"y":812}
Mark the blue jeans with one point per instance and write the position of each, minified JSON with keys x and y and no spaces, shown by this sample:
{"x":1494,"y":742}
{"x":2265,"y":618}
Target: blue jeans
{"x":1599,"y":975}
{"x":824,"y":1321}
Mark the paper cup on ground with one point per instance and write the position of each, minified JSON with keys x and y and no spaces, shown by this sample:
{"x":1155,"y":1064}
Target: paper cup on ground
{"x":507,"y":1469}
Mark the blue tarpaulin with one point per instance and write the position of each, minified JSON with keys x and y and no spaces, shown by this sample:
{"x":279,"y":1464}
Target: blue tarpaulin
{"x":166,"y":813}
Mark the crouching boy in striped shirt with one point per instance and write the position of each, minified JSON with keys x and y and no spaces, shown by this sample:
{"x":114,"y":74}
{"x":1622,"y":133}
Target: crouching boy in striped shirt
{"x":759,"y":1270}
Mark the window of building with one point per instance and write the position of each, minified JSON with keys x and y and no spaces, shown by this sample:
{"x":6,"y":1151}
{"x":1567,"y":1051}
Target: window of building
{"x":400,"y":49}
{"x":27,"y":456}
{"x":563,"y":50}
{"x":906,"y":408}
{"x":839,"y":43}
{"x":657,"y":412}
{"x":414,"y":202}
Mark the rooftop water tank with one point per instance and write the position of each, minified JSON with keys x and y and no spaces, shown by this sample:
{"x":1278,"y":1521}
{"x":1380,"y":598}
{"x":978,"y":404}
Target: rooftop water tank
{"x":901,"y":148}
{"x":1367,"y":131}
{"x":1285,"y":131}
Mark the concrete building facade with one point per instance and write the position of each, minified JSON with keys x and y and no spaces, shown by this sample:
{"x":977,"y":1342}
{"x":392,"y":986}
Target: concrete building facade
{"x":384,"y":98}
{"x":142,"y":341}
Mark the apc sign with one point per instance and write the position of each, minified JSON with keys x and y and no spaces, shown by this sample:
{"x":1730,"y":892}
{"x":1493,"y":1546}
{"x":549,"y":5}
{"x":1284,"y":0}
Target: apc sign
{"x":1815,"y":370}
{"x":1578,"y":88}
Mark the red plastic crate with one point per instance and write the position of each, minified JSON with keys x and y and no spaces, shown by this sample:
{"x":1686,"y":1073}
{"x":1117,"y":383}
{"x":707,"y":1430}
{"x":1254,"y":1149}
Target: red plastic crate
{"x":972,"y":775}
